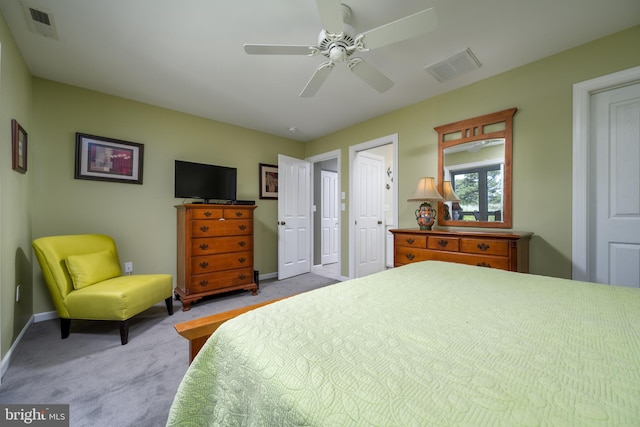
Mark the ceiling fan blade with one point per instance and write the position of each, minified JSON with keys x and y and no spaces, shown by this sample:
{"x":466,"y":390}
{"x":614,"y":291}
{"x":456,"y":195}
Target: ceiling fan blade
{"x":331,"y":15}
{"x":317,"y":80}
{"x":401,"y":29}
{"x":276,"y":49}
{"x":369,"y":74}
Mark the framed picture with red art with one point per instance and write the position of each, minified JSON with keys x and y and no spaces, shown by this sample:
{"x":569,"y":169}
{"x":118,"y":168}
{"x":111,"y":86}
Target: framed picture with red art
{"x":268,"y":181}
{"x":107,"y":159}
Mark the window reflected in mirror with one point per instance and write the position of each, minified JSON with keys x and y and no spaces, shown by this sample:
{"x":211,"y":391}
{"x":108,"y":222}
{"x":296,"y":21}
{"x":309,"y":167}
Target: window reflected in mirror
{"x":476,"y":172}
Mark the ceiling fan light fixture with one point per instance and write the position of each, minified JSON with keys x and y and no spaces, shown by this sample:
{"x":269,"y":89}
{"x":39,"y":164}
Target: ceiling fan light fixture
{"x":338,"y":53}
{"x":347,"y":36}
{"x":338,"y":41}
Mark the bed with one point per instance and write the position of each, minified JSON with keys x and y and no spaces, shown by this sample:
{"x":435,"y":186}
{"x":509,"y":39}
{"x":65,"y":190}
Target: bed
{"x":430,"y":343}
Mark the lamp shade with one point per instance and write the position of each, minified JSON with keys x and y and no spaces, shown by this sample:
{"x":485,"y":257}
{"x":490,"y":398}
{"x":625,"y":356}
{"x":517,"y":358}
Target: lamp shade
{"x":426,"y":190}
{"x":449,"y":194}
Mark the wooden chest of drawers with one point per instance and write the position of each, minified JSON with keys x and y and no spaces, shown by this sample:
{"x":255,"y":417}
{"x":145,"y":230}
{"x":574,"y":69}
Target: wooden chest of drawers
{"x":215,"y":251}
{"x":503,"y":250}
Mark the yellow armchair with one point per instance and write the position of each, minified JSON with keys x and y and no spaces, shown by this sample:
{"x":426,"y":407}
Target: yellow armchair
{"x":84,"y":278}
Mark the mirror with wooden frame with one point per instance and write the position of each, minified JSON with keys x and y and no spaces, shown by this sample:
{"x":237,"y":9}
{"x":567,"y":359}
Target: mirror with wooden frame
{"x":474,"y":167}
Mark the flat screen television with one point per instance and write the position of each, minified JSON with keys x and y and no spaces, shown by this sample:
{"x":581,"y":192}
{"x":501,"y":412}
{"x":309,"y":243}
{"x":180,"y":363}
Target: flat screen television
{"x":211,"y":183}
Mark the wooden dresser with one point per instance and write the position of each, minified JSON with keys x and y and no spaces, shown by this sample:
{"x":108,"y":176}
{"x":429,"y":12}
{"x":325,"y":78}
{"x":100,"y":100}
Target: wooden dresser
{"x":503,"y":250}
{"x":215,"y":251}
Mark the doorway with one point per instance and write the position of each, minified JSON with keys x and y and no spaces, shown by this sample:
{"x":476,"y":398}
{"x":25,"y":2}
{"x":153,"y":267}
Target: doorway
{"x":601,"y":253}
{"x":326,"y":209}
{"x":373,"y":205}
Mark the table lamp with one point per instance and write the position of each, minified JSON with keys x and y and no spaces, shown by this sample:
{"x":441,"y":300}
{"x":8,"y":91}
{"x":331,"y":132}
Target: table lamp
{"x":449,"y":196}
{"x":426,"y":192}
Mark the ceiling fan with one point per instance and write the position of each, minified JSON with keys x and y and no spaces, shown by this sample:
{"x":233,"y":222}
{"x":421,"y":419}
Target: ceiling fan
{"x":338,"y":41}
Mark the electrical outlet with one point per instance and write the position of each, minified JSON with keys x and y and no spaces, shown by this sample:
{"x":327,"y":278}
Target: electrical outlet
{"x":18,"y":293}
{"x":128,"y":267}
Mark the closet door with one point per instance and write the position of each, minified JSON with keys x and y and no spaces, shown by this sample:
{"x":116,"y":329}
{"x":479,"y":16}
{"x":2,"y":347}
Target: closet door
{"x":616,"y":206}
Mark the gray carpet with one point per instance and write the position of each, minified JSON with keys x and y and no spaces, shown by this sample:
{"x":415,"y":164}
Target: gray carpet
{"x":108,"y":384}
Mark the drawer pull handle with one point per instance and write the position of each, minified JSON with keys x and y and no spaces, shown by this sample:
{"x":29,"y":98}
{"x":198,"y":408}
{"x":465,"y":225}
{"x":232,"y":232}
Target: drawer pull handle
{"x":410,"y":241}
{"x":238,"y":214}
{"x":443,"y":243}
{"x":207,"y":214}
{"x":204,"y":282}
{"x":242,"y":243}
{"x":484,"y":264}
{"x":410,"y":257}
{"x":204,"y":228}
{"x":204,"y":264}
{"x":242,"y":276}
{"x":242,"y":260}
{"x":483,"y":246}
{"x":204,"y":246}
{"x":242,"y":227}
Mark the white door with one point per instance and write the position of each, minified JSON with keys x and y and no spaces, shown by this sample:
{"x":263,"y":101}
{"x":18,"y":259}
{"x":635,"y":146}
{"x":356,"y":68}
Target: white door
{"x":368,"y":195}
{"x":616,"y":180}
{"x":294,"y":217}
{"x":329,"y":217}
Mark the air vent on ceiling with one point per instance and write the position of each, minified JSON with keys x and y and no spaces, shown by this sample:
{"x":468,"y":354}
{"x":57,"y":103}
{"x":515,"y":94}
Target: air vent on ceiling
{"x":459,"y":63}
{"x":40,"y":21}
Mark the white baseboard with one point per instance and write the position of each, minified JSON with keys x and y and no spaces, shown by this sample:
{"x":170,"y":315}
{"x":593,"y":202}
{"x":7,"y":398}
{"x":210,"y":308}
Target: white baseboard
{"x":47,"y":315}
{"x":38,"y":317}
{"x":7,"y":358}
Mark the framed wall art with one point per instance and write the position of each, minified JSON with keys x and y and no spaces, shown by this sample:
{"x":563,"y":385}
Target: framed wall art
{"x":107,"y":159}
{"x":268,"y":181}
{"x":18,"y":147}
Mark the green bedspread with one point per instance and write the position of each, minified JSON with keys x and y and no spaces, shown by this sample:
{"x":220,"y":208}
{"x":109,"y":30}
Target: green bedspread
{"x":427,"y":344}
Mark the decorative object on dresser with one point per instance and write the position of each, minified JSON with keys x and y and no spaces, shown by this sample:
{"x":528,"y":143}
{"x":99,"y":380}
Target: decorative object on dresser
{"x":499,"y":249}
{"x":426,"y":192}
{"x":215,"y":251}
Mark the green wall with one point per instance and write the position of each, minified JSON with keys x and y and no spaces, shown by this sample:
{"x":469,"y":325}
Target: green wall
{"x":542,"y":140}
{"x":15,"y":200}
{"x":141,"y":218}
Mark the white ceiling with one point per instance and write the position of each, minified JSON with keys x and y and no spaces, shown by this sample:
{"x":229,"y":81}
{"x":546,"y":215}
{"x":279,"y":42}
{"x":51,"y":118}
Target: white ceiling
{"x":188,"y":55}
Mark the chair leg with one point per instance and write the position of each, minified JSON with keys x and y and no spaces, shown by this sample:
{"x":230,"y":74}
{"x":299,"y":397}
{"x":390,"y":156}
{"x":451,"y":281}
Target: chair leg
{"x":169,"y":302}
{"x":124,"y":331}
{"x":65,"y":327}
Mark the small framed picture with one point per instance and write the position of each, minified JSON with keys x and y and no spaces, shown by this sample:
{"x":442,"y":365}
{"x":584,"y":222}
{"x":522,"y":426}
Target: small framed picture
{"x":268,"y":181}
{"x":107,"y":159}
{"x":18,"y":147}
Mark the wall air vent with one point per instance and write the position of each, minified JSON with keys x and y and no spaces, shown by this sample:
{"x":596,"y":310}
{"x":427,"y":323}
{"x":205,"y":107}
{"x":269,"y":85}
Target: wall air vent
{"x":459,"y":63}
{"x":40,"y":21}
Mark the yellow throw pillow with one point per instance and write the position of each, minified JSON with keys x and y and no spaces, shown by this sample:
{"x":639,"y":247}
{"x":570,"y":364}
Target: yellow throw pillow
{"x":88,"y":269}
